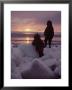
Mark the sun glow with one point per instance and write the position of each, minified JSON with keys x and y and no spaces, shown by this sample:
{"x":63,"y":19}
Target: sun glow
{"x":28,"y":30}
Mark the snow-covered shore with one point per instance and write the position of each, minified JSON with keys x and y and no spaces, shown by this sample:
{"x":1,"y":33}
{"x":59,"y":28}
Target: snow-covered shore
{"x":25,"y":63}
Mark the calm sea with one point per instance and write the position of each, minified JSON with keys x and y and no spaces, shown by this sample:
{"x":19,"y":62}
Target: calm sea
{"x":27,"y":38}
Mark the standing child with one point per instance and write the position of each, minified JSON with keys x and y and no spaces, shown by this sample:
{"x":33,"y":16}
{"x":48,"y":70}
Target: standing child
{"x":49,"y":33}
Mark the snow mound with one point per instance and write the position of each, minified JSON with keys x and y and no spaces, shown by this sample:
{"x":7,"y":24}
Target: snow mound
{"x":25,"y":63}
{"x":53,"y":52}
{"x":16,"y":56}
{"x":37,"y":70}
{"x":28,"y":50}
{"x":58,"y":71}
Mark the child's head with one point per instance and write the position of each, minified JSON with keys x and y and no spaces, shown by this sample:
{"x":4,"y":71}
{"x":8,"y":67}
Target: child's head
{"x":36,"y":36}
{"x":49,"y":23}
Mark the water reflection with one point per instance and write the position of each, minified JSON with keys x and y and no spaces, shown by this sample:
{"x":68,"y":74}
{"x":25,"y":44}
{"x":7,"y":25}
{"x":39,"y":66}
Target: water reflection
{"x":27,"y":40}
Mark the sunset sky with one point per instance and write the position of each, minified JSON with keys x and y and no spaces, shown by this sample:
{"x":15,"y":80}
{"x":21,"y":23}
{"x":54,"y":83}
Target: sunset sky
{"x":34,"y":21}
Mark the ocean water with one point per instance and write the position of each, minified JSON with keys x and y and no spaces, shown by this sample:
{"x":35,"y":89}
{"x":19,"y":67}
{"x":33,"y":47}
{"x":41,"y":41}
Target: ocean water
{"x":27,"y":38}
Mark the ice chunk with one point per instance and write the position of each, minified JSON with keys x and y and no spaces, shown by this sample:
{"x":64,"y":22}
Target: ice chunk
{"x":58,"y":71}
{"x":16,"y":56}
{"x":38,"y":70}
{"x":28,"y":50}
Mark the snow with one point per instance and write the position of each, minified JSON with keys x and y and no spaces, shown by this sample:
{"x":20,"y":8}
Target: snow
{"x":38,"y":70}
{"x":28,"y":50}
{"x":25,"y":63}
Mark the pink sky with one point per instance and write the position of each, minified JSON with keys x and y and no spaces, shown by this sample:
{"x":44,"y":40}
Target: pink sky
{"x":34,"y":21}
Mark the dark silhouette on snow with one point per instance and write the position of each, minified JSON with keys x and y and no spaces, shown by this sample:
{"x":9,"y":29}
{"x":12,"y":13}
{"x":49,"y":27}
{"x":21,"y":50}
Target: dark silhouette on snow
{"x":48,"y":33}
{"x":38,"y":44}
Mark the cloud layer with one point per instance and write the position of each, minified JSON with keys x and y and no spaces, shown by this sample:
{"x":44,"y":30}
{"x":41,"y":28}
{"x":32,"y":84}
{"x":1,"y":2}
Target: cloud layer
{"x":34,"y":20}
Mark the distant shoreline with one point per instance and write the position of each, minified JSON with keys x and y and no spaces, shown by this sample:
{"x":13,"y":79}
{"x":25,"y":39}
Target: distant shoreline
{"x":31,"y":34}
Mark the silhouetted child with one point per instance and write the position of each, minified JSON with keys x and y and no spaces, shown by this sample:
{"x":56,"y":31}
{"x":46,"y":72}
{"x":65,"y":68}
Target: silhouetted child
{"x":38,"y":44}
{"x":49,"y":33}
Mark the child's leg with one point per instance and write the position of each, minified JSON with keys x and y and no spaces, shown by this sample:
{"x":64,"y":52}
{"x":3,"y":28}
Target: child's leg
{"x":41,"y":53}
{"x":45,"y":41}
{"x":50,"y":43}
